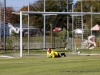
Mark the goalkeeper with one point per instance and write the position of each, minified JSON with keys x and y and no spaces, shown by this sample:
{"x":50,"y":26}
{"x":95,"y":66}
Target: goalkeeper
{"x":53,"y":54}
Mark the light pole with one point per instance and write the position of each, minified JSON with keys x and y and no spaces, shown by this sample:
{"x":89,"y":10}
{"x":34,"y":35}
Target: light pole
{"x":72,"y":28}
{"x":44,"y":39}
{"x":4,"y":25}
{"x":91,"y":18}
{"x":67,"y":23}
{"x":82,"y":20}
{"x":28,"y":30}
{"x":0,"y":23}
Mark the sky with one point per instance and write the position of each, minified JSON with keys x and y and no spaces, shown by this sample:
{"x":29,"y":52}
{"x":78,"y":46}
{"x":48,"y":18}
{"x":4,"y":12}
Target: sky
{"x":17,"y":4}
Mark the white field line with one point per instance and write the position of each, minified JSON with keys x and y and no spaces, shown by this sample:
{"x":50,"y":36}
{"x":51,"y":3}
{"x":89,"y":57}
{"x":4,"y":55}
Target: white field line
{"x":88,"y":54}
{"x":6,"y":56}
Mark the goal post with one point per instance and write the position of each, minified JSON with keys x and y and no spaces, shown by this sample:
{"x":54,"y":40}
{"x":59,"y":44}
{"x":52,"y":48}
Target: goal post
{"x":21,"y":34}
{"x":32,"y":12}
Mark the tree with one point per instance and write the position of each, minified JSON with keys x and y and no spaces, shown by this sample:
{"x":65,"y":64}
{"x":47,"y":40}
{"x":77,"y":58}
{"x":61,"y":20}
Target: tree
{"x":51,"y":6}
{"x":56,"y":6}
{"x":35,"y":20}
{"x":9,"y":16}
{"x":89,"y":6}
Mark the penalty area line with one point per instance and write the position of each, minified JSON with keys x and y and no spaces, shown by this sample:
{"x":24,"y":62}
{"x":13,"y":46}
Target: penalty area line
{"x":2,"y":56}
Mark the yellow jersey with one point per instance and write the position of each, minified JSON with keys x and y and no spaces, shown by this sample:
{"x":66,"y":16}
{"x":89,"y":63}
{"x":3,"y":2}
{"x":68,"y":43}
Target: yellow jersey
{"x":53,"y":54}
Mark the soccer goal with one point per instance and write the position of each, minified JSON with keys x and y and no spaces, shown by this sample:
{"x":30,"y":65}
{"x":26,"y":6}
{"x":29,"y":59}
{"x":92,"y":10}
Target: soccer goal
{"x":45,"y":13}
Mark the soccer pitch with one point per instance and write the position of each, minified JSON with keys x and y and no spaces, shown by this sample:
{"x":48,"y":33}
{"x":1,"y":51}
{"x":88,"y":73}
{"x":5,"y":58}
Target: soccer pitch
{"x":41,"y":65}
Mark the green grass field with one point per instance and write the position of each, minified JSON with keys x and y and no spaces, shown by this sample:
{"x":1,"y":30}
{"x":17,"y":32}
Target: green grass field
{"x":41,"y":65}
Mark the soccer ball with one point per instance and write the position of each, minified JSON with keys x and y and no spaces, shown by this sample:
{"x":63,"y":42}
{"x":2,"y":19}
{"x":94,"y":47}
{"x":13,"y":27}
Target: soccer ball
{"x":78,"y":52}
{"x":50,"y":55}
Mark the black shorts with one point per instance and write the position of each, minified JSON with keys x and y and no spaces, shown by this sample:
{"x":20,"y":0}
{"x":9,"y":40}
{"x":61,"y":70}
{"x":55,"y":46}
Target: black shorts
{"x":59,"y":55}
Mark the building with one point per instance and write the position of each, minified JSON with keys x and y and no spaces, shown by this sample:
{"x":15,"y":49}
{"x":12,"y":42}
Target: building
{"x":16,"y":28}
{"x":7,"y":28}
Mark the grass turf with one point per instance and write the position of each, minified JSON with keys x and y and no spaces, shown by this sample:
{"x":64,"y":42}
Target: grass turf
{"x":41,"y":65}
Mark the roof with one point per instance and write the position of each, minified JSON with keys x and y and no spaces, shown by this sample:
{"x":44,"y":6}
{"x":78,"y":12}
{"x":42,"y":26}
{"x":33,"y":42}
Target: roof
{"x":96,"y":27}
{"x":24,"y":26}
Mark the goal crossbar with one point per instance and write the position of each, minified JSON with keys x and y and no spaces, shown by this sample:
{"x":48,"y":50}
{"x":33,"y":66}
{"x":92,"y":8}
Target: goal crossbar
{"x":70,"y":13}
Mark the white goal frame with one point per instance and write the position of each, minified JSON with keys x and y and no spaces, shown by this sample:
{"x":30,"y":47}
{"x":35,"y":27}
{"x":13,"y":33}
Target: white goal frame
{"x":43,"y":13}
